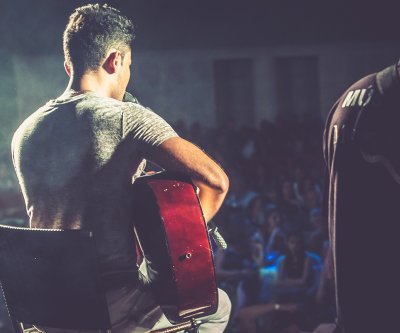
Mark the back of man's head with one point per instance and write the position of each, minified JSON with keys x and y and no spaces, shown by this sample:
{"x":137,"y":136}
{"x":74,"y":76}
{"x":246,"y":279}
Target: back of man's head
{"x":92,"y":30}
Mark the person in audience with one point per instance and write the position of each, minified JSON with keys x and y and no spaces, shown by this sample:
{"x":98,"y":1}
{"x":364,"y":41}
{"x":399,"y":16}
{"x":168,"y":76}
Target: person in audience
{"x":274,"y":235}
{"x":254,"y":215}
{"x":302,"y":185}
{"x":287,"y":201}
{"x":237,"y":270}
{"x":240,"y":195}
{"x":271,"y":195}
{"x":311,"y":200}
{"x":295,"y":278}
{"x":318,"y":235}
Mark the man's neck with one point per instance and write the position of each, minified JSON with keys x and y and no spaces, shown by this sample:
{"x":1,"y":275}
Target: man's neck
{"x":90,"y":82}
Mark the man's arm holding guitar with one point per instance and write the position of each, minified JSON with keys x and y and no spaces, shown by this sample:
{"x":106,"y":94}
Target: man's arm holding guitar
{"x":179,"y":155}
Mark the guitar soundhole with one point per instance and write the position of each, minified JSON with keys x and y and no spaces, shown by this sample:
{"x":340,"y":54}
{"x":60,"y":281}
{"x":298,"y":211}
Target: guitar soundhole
{"x":185,"y":256}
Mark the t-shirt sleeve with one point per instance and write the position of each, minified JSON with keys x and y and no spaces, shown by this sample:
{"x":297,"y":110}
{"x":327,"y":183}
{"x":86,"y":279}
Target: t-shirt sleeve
{"x":144,"y":126}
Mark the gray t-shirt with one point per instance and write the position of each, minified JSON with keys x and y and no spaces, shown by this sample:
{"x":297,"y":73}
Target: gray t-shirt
{"x":76,"y":158}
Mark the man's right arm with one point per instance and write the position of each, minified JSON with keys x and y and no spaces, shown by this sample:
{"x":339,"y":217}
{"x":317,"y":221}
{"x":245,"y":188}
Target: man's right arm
{"x":159,"y":143}
{"x":179,"y":155}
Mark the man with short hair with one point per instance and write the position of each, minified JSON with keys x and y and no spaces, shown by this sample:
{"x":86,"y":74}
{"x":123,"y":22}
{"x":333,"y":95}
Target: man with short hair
{"x":76,"y":158}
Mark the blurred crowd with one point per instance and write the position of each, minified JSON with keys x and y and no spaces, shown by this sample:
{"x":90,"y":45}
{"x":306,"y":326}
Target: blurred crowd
{"x":278,"y":262}
{"x":277,"y":267}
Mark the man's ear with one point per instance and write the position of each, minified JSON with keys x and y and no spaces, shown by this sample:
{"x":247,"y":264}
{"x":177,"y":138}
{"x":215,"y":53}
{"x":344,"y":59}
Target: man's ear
{"x":68,"y":68}
{"x":113,"y":61}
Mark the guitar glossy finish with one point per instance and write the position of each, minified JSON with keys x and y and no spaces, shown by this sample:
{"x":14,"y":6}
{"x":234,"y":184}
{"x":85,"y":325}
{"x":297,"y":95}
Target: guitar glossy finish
{"x":187,"y":288}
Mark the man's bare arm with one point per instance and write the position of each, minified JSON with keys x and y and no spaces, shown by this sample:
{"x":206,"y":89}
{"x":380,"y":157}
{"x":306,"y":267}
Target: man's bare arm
{"x":177,"y":154}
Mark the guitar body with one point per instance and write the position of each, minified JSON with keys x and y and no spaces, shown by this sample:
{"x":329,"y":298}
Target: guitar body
{"x":173,"y":238}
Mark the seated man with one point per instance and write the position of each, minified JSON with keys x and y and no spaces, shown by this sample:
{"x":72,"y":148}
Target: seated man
{"x":77,"y":156}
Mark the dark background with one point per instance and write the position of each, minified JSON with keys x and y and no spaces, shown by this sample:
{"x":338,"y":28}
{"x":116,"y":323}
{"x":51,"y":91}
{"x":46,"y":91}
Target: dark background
{"x":35,"y":26}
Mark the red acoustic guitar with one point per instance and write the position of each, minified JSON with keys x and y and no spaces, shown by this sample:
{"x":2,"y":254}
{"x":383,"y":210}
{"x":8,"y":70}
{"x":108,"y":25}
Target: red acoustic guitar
{"x":173,"y":238}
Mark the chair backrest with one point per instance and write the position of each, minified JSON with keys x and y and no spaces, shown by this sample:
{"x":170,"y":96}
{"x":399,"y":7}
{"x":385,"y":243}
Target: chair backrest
{"x":49,"y":278}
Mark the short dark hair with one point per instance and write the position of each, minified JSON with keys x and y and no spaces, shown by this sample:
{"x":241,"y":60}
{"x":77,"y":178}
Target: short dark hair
{"x":91,"y":31}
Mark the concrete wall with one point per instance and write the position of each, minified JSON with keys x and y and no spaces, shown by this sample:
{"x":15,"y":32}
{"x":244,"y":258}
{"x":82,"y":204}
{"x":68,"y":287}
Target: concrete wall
{"x":178,"y":84}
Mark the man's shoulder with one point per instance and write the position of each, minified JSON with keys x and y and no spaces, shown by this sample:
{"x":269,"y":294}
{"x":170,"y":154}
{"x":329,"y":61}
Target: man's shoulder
{"x":359,"y":94}
{"x":28,"y":125}
{"x":137,"y":113}
{"x":104,"y":104}
{"x":93,"y":102}
{"x":132,"y":108}
{"x":144,"y":124}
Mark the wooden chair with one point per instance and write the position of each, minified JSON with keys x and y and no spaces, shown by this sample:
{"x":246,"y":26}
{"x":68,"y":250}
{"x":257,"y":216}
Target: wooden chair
{"x":49,"y":278}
